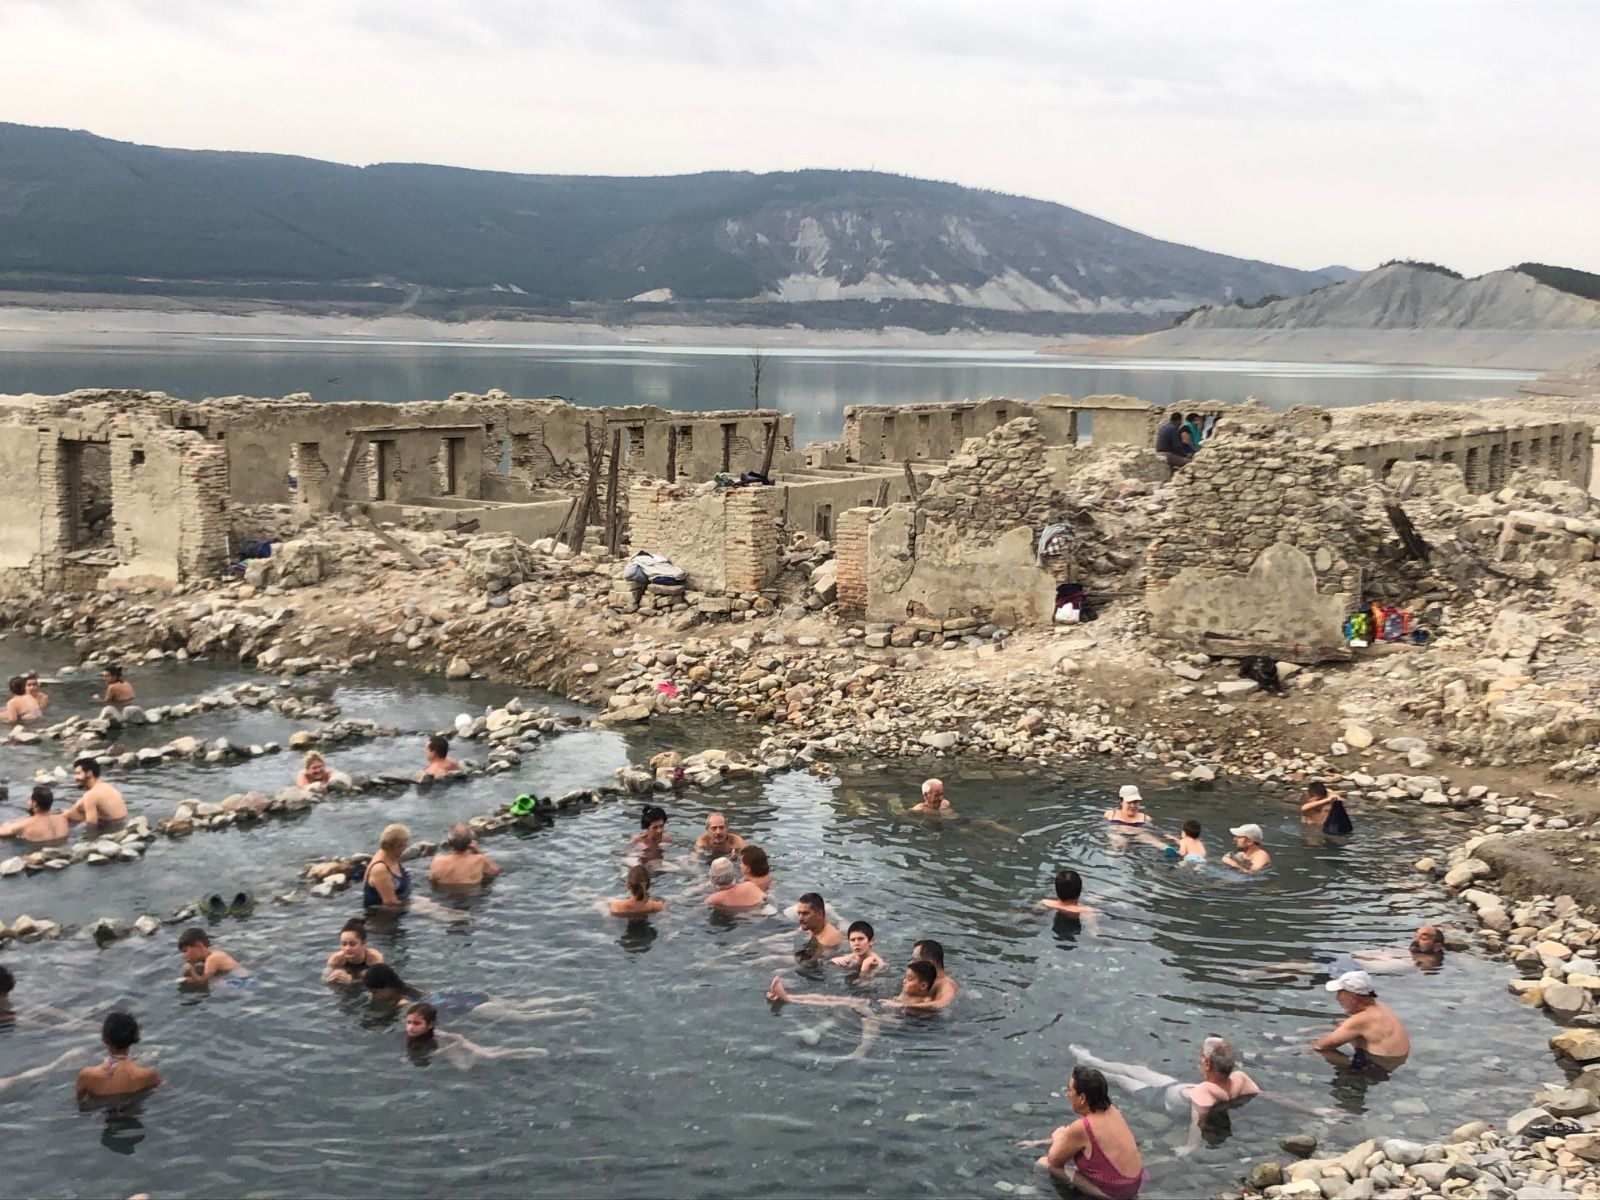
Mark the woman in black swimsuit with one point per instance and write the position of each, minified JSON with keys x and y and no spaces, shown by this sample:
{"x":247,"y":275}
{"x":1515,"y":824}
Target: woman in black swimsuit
{"x":350,"y":961}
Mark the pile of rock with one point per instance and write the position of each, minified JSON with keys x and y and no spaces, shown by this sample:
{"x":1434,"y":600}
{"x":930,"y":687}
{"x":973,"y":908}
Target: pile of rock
{"x":125,"y":845}
{"x":495,"y":565}
{"x":297,"y":563}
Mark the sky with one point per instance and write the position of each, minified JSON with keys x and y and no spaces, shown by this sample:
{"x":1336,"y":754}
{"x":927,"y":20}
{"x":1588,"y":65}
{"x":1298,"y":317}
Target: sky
{"x":1302,"y":132}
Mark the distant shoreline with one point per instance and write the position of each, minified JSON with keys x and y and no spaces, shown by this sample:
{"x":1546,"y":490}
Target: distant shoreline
{"x":20,"y":319}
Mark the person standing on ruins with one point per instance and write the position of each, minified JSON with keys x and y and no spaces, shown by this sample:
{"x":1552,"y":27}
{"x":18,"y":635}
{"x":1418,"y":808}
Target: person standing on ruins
{"x":1170,"y":445}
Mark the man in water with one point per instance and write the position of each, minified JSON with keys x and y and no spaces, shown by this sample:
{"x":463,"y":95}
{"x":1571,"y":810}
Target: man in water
{"x":933,"y":801}
{"x":718,"y":841}
{"x":40,"y":825}
{"x":437,"y":751}
{"x":461,"y":864}
{"x":202,"y":962}
{"x":916,"y":991}
{"x":1069,"y":892}
{"x":119,"y":1075}
{"x":1380,"y":1041}
{"x":1314,"y":809}
{"x":812,"y":915}
{"x":1221,"y":1084}
{"x":101,"y":804}
{"x":423,"y":1035}
{"x":117,"y":697}
{"x":38,"y":695}
{"x":944,"y":987}
{"x":21,"y":708}
{"x":1170,"y":446}
{"x":732,"y":891}
{"x":1248,"y":856}
{"x":862,"y":960}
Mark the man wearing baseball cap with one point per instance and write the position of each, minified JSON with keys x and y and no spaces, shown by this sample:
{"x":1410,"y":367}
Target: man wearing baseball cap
{"x":1380,"y":1042}
{"x":1248,"y":857}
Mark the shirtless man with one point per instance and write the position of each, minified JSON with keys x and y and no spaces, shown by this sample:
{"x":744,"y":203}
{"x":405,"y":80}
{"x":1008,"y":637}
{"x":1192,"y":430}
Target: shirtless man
{"x":945,"y":988}
{"x":1314,"y":811}
{"x":437,"y":751}
{"x":1380,"y":1042}
{"x":1248,"y":856}
{"x":753,"y":862}
{"x":39,"y":695}
{"x":717,"y":840}
{"x":1069,"y":891}
{"x":933,"y":802}
{"x":862,"y":960}
{"x":100,"y":804}
{"x":118,"y":698}
{"x":812,"y":915}
{"x":461,"y":863}
{"x":40,"y":825}
{"x":119,"y":1075}
{"x":1221,"y":1083}
{"x":916,"y":991}
{"x":21,"y":708}
{"x":202,"y":962}
{"x":732,"y":891}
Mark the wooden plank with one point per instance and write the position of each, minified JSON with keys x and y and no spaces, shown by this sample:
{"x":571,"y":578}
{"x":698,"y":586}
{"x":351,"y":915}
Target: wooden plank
{"x":772,"y":446}
{"x":613,"y":520}
{"x":672,"y":454}
{"x":399,"y":547}
{"x":883,"y":495}
{"x":1238,"y":645}
{"x":911,"y":480}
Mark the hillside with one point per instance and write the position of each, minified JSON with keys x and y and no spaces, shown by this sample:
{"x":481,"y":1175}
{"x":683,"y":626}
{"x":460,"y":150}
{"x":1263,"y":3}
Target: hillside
{"x":1399,"y":313}
{"x":80,"y":213}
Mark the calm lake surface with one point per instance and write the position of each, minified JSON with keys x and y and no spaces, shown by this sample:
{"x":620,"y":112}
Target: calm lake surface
{"x":668,"y":1073}
{"x":815,"y":384}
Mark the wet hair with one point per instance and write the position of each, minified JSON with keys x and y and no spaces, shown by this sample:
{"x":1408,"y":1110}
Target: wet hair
{"x":357,"y":926}
{"x":439,"y":745}
{"x":120,"y":1030}
{"x":924,"y":972}
{"x":814,"y":900}
{"x":1433,"y":945}
{"x":1069,"y":886}
{"x":1191,"y":828}
{"x":7,"y":981}
{"x":460,"y":836}
{"x":724,"y":873}
{"x":862,"y":927}
{"x":1220,"y":1054}
{"x":394,"y":836}
{"x":755,"y":858}
{"x":427,"y":1012}
{"x":1091,"y":1085}
{"x":90,"y":764}
{"x":930,"y":950}
{"x":651,"y":814}
{"x":193,"y":936}
{"x":381,"y":977}
{"x":19,"y":685}
{"x":1318,"y":789}
{"x":112,"y":669}
{"x":638,"y":882}
{"x":43,"y":796}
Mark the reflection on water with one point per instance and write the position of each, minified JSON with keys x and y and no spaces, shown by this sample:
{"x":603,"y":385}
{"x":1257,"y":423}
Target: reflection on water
{"x":681,"y":1079}
{"x":813,"y":383}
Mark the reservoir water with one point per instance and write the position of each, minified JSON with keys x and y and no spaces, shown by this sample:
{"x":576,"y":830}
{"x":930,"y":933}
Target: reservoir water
{"x":816,"y":384}
{"x":668,"y":1073}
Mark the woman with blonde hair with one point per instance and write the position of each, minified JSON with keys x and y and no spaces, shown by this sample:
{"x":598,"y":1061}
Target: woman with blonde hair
{"x":313,"y":771}
{"x":386,"y":884}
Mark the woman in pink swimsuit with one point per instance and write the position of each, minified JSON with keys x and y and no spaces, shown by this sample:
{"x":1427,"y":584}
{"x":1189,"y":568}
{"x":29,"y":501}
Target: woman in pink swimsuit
{"x":1096,"y":1153}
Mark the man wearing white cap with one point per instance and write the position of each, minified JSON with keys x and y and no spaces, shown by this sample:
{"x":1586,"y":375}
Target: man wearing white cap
{"x":1380,"y":1042}
{"x":1248,"y":855}
{"x":1127,"y":812}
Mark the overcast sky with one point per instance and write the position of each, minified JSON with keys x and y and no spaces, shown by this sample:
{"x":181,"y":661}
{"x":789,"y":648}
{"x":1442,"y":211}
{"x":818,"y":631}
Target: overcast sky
{"x":1296,"y":131}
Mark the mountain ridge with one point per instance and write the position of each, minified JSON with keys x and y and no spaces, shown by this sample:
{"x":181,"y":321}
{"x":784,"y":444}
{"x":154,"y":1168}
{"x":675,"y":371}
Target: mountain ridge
{"x":80,"y":211}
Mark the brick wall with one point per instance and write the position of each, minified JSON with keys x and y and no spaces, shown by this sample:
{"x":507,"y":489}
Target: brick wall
{"x":750,"y":540}
{"x":850,"y":553}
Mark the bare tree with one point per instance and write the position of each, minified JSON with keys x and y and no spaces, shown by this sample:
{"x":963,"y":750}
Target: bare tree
{"x":757,"y":363}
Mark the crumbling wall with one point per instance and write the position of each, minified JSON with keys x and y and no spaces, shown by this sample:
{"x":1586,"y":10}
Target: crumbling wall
{"x":726,"y":539}
{"x":23,"y":449}
{"x":170,"y":495}
{"x":1263,"y":547}
{"x":1487,"y":453}
{"x":897,"y":432}
{"x":996,"y":483}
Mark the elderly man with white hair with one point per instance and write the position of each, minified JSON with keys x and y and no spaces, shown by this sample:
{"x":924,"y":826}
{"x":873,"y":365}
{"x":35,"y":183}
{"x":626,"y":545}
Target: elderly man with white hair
{"x":733,"y":892}
{"x":933,"y":800}
{"x":1221,"y":1084}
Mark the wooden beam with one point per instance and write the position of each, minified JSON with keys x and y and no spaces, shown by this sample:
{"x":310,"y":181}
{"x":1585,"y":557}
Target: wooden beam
{"x":772,"y":446}
{"x":591,"y":491}
{"x":399,"y":547}
{"x":883,"y":495}
{"x":911,"y":480}
{"x":613,"y":520}
{"x":352,"y":455}
{"x":672,"y":454}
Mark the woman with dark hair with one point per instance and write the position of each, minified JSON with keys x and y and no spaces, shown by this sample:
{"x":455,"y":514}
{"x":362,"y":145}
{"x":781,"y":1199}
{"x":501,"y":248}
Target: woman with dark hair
{"x":753,"y":862}
{"x":1097,"y":1153}
{"x":350,"y":961}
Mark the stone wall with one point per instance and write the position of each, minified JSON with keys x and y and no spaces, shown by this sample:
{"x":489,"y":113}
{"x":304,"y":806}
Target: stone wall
{"x":996,"y":483}
{"x":1265,"y":545}
{"x":170,"y":496}
{"x":895,"y":433}
{"x":727,"y":539}
{"x":1488,"y":454}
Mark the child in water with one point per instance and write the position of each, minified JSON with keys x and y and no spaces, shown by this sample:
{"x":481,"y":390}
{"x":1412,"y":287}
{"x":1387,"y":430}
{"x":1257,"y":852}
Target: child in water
{"x":1189,"y":847}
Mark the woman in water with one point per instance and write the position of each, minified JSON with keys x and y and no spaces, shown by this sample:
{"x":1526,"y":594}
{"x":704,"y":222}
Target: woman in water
{"x":638,"y":903}
{"x":21,"y":709}
{"x":386,"y":884}
{"x":1127,"y":813}
{"x":313,"y":771}
{"x":423,"y":1036}
{"x":349,"y":962}
{"x":386,"y":987}
{"x":753,"y":862}
{"x":1097,"y":1153}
